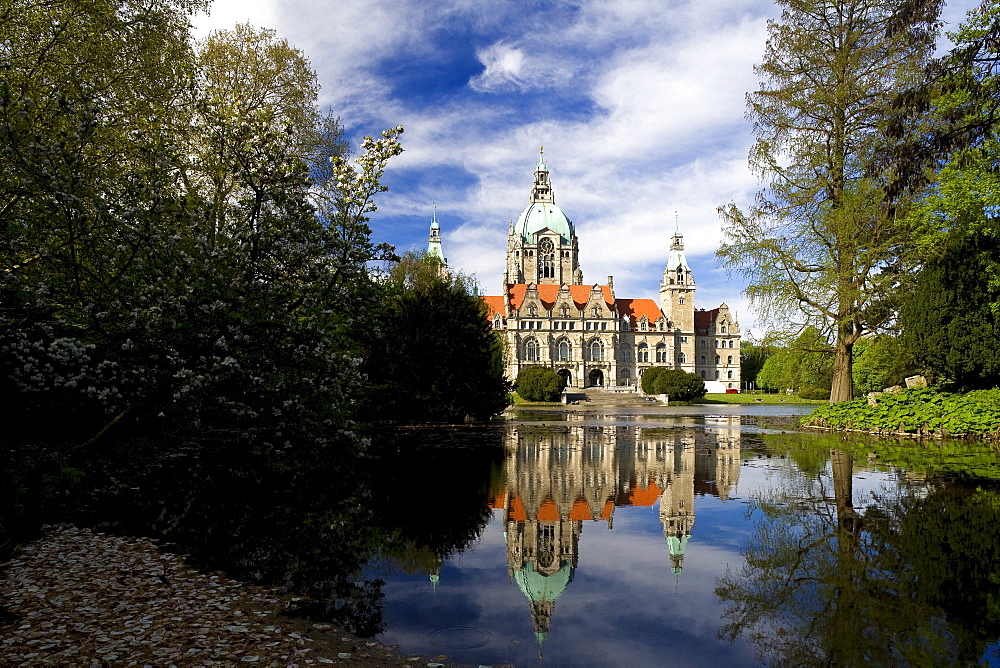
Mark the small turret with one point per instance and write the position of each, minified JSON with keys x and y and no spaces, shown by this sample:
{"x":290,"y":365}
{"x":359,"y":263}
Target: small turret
{"x":434,"y":248}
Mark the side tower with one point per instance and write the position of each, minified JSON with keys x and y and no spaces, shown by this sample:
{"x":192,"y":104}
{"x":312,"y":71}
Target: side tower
{"x":542,"y":247}
{"x":677,"y":287}
{"x":434,"y":248}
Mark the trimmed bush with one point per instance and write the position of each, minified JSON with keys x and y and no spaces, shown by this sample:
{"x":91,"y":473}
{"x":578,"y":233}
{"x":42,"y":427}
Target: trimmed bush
{"x":539,"y":383}
{"x":809,"y":392}
{"x":676,"y":384}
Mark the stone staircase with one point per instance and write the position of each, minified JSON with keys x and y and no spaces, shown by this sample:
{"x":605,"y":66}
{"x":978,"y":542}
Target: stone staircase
{"x":600,"y":396}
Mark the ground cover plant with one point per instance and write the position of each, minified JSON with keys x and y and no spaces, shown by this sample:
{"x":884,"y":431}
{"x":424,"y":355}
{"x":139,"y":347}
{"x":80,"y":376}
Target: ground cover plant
{"x":922,"y":411}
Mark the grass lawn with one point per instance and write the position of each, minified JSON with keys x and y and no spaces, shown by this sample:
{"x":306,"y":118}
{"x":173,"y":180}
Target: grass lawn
{"x":516,"y":400}
{"x":775,"y":399}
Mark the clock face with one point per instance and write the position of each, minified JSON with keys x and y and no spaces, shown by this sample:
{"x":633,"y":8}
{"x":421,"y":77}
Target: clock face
{"x":546,"y":245}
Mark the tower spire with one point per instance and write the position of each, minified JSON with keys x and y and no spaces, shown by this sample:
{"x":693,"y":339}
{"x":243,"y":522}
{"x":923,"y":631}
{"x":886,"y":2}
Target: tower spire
{"x":542,"y":190}
{"x":434,"y":248}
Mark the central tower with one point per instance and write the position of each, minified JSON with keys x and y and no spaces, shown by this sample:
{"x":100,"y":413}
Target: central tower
{"x":542,"y":247}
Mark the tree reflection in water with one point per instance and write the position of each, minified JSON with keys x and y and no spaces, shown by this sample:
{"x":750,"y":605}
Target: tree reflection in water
{"x":311,"y":527}
{"x":912,"y":577}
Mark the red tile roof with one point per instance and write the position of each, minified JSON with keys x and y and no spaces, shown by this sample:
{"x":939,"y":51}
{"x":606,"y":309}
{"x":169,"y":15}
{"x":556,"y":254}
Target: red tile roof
{"x":548,"y":293}
{"x":547,"y":512}
{"x":645,"y":497}
{"x":636,"y":308}
{"x":494,"y":305}
{"x":704,"y":319}
{"x":580,"y":510}
{"x":516,"y":510}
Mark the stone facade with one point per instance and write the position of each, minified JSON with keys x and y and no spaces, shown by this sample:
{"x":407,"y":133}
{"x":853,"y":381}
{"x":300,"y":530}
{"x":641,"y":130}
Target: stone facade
{"x":586,"y":332}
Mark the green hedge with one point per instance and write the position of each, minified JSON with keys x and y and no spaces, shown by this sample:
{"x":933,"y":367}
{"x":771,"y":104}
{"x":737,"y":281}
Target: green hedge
{"x":919,"y":410}
{"x":538,"y":383}
{"x":678,"y":385}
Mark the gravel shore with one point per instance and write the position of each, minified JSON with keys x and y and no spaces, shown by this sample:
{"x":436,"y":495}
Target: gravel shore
{"x":84,"y":598}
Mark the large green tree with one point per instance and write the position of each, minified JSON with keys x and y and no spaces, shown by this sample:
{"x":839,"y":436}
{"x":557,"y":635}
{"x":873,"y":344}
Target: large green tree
{"x":950,"y":322}
{"x":433,"y":355}
{"x":804,"y":363}
{"x":130,"y":291}
{"x":825,"y":242}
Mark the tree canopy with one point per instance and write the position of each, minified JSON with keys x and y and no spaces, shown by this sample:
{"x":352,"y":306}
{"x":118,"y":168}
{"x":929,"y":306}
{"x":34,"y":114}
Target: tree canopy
{"x":827,"y":239}
{"x":162,"y":261}
{"x":432,"y":354}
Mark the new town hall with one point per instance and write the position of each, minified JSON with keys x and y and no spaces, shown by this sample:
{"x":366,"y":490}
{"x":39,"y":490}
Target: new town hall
{"x":587,"y":333}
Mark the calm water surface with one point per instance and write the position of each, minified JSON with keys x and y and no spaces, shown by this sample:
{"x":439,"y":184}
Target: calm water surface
{"x":687,"y":536}
{"x":698,"y":536}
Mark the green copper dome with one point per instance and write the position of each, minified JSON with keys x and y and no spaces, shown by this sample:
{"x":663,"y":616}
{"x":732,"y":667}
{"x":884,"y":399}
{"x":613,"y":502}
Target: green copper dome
{"x":541,"y":215}
{"x":538,"y":587}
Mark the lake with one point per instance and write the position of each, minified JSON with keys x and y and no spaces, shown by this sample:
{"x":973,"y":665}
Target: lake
{"x":690,"y":535}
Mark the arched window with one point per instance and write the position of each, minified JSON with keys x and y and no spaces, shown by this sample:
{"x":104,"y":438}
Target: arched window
{"x":703,"y":343}
{"x":717,"y":375}
{"x":596,"y":351}
{"x":730,"y":375}
{"x":661,"y":353}
{"x":729,"y":359}
{"x":643,"y":324}
{"x":531,"y":351}
{"x":546,"y":259}
{"x":564,"y":353}
{"x":625,"y":325}
{"x":703,"y":374}
{"x":626,"y":353}
{"x":730,"y":343}
{"x":497,"y":321}
{"x":532,"y":310}
{"x":723,"y":329}
{"x":642,"y":353}
{"x":702,"y":361}
{"x":718,"y":359}
{"x":681,"y":358}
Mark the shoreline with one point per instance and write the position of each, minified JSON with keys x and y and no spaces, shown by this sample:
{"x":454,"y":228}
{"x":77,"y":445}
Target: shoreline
{"x":82,"y":597}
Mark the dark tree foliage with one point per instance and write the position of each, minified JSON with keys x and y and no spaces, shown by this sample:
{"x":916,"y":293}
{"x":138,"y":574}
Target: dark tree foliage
{"x":948,"y":323}
{"x":752,"y":358}
{"x":163,"y":265}
{"x":434,"y":355}
{"x":539,"y":383}
{"x":676,"y":384}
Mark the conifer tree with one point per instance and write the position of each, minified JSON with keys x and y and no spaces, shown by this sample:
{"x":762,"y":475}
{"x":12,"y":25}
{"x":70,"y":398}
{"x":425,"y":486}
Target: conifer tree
{"x":826,"y":241}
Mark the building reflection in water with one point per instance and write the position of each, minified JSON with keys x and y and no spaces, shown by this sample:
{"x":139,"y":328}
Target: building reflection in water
{"x":558,"y":477}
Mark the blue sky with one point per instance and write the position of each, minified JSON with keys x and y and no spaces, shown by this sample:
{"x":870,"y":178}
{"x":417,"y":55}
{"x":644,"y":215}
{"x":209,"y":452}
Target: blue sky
{"x":639,"y":105}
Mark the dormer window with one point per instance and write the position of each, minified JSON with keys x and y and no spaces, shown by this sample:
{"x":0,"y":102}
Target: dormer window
{"x":497,"y":322}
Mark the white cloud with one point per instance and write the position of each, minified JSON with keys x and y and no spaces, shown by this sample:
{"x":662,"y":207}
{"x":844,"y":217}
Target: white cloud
{"x":655,"y":122}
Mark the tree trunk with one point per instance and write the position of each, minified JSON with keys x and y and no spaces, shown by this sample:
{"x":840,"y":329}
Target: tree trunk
{"x":843,"y":378}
